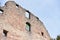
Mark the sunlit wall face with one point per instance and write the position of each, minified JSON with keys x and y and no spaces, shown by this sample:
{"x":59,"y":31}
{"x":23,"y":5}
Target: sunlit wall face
{"x":47,"y":10}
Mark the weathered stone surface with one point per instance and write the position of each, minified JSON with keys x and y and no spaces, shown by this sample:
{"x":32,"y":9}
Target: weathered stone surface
{"x":14,"y":21}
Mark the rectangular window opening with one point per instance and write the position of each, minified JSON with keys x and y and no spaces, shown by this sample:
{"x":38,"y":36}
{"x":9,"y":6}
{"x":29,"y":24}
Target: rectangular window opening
{"x":27,"y":14}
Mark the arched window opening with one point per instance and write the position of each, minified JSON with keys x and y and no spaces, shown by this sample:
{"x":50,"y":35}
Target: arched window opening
{"x":42,"y":33}
{"x":28,"y":26}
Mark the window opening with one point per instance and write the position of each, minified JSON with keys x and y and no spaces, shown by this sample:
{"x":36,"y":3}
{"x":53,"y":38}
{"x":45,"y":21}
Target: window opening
{"x":1,"y":11}
{"x":27,"y":14}
{"x":37,"y":18}
{"x":5,"y":32}
{"x":17,"y":5}
{"x":42,"y":33}
{"x":28,"y":26}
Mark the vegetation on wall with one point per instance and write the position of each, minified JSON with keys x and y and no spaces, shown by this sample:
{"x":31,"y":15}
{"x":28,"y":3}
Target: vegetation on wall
{"x":57,"y":38}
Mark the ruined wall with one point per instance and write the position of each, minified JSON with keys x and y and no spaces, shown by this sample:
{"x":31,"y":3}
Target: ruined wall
{"x":13,"y":24}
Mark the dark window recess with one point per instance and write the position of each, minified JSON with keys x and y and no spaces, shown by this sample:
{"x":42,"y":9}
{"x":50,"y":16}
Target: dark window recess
{"x":28,"y":11}
{"x":42,"y":33}
{"x":37,"y":18}
{"x":17,"y":5}
{"x":28,"y":14}
{"x":5,"y":32}
{"x":1,"y":11}
{"x":28,"y":26}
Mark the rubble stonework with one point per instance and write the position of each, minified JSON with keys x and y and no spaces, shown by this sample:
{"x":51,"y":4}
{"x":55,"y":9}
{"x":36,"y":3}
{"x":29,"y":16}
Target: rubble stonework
{"x":13,"y":24}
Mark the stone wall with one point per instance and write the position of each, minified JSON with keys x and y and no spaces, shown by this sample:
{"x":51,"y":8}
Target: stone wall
{"x":13,"y":21}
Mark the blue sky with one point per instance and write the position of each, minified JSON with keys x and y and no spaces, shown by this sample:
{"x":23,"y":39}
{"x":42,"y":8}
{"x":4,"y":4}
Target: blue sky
{"x":48,"y":11}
